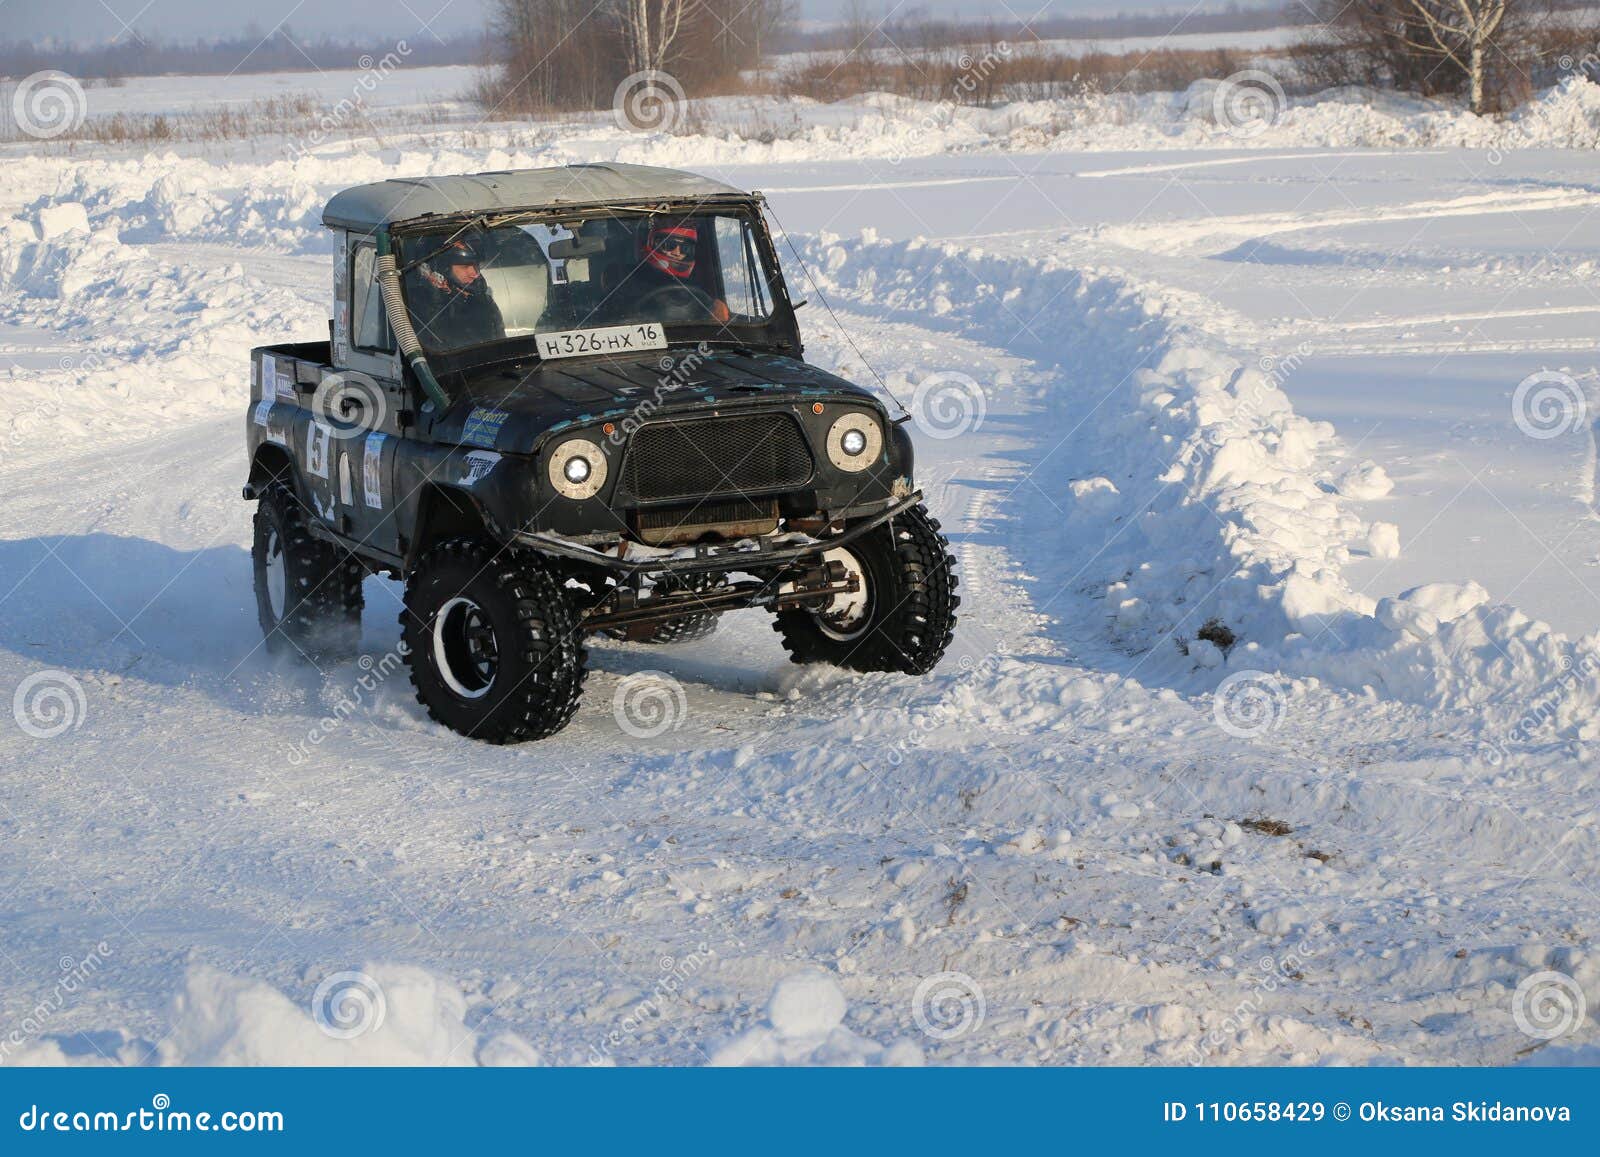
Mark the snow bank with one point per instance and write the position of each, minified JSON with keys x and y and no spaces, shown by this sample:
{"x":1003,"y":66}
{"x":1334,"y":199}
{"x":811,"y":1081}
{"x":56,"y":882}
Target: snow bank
{"x":805,"y":1026}
{"x":277,"y":201}
{"x":387,"y":1014}
{"x":1211,"y":520}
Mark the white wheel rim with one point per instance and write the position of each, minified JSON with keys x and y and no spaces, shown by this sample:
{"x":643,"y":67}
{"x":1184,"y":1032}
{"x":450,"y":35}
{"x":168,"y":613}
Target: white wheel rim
{"x":277,"y":576}
{"x":847,"y":614}
{"x":467,"y":677}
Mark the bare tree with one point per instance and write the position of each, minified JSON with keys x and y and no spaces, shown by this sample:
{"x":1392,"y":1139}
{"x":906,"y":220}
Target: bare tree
{"x":651,"y":27}
{"x":1484,"y":50}
{"x":1460,"y":31}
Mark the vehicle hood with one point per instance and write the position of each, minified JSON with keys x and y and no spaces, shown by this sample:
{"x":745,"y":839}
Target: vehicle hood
{"x":512,"y":409}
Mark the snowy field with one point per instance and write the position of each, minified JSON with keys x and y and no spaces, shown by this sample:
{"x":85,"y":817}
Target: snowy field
{"x":1266,"y":738}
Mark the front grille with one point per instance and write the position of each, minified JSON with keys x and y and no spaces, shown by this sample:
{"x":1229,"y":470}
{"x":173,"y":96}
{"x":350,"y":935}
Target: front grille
{"x":716,"y":456}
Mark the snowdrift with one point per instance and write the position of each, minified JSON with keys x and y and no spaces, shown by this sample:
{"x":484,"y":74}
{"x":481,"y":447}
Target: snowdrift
{"x":1209,"y":518}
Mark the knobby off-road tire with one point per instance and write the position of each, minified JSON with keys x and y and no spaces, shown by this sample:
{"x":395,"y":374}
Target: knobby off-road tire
{"x":904,"y":617}
{"x":308,"y":592}
{"x":687,"y":629}
{"x":493,"y":641}
{"x":684,"y":629}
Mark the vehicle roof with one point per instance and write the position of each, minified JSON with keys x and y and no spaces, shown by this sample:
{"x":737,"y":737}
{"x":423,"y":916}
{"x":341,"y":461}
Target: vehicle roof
{"x":365,"y":207}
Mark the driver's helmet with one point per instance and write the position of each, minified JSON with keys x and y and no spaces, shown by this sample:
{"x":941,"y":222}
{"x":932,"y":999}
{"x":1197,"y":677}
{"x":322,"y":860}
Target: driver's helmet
{"x":462,"y":255}
{"x":670,"y":248}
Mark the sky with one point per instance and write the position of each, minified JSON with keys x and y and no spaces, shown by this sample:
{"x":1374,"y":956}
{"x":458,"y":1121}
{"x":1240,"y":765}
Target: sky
{"x":97,"y":21}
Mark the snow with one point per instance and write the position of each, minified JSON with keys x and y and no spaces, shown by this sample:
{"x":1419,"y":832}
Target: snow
{"x":1268,"y":734}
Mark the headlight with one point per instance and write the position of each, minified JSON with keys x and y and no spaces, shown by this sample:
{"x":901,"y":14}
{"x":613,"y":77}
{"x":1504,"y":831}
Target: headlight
{"x":577,"y":468}
{"x":854,"y":442}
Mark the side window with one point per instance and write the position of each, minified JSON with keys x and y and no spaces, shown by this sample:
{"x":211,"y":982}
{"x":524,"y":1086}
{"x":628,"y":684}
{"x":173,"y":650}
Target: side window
{"x":742,"y":285}
{"x":369,"y":329}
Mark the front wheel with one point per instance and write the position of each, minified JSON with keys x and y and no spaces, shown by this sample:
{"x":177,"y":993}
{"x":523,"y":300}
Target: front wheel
{"x":901,"y":618}
{"x":493,"y":640}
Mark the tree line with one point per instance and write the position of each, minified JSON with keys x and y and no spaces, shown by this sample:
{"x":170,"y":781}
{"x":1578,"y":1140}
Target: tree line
{"x":573,"y":54}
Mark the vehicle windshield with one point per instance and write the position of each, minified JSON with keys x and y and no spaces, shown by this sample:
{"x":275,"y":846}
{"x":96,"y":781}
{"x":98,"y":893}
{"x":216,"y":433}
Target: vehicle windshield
{"x":467,"y":287}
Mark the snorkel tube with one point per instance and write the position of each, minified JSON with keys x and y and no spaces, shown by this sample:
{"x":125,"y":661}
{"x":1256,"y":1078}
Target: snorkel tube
{"x":400,"y":322}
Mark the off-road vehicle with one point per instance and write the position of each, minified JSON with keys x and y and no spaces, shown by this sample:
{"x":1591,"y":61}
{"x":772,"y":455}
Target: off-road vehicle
{"x":569,"y":402}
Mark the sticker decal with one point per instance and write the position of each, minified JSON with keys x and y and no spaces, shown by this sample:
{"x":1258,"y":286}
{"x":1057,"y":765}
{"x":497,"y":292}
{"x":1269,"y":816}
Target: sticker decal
{"x":318,"y":438}
{"x":284,"y":383}
{"x":478,"y":463}
{"x":263,"y":409}
{"x":269,"y":375}
{"x":372,"y":470}
{"x":483,"y":427}
{"x":346,"y":491}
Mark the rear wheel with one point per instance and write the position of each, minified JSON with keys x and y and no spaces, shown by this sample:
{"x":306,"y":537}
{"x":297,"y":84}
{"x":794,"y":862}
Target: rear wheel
{"x":901,"y":617}
{"x":308,"y":592}
{"x":493,"y":641}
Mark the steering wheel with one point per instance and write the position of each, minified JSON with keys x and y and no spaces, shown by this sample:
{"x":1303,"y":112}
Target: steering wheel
{"x":679,"y":298}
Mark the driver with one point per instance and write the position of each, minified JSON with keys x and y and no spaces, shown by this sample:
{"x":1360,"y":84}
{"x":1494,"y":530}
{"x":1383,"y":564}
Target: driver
{"x":666,"y":265}
{"x":455,"y":308}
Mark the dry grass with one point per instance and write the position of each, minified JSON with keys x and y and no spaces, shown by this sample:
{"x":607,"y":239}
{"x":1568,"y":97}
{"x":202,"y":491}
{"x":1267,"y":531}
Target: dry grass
{"x":986,"y":74}
{"x":303,"y":116}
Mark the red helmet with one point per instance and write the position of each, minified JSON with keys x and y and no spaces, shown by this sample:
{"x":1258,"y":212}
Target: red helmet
{"x":670,"y":248}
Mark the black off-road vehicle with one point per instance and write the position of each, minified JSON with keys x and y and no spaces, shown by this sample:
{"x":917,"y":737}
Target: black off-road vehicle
{"x":567,"y":402}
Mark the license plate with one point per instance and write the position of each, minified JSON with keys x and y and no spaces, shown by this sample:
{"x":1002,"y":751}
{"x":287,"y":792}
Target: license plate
{"x":611,"y":339}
